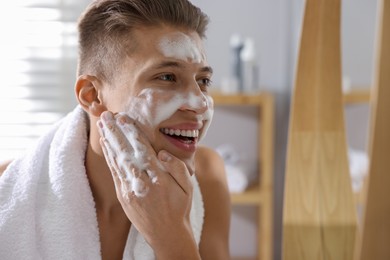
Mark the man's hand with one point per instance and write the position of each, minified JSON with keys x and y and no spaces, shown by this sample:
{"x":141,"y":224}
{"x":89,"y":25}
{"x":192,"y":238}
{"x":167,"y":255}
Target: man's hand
{"x":155,"y":190}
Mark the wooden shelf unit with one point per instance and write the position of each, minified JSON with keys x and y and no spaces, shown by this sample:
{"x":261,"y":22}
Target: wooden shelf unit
{"x":260,"y":194}
{"x":358,"y":97}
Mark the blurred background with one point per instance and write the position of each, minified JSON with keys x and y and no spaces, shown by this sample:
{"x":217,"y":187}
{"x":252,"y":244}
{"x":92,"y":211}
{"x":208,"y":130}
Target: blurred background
{"x":38,"y":52}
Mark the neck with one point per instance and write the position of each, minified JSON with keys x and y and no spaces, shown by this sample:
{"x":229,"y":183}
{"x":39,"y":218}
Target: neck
{"x":99,"y":176}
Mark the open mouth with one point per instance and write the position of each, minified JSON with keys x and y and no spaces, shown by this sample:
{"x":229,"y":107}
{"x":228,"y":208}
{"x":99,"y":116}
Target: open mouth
{"x":184,"y":136}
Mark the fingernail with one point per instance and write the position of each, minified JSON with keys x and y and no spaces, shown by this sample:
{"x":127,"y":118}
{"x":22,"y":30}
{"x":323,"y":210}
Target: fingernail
{"x":164,"y":156}
{"x":107,"y":115}
{"x":121,"y":120}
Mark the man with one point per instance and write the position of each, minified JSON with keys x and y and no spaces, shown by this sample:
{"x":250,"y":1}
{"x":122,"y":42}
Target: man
{"x":142,"y":87}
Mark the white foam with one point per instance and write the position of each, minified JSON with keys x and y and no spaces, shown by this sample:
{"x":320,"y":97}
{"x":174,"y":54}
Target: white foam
{"x":150,"y":108}
{"x":136,"y":157}
{"x":207,"y":116}
{"x":180,"y":46}
{"x":154,"y":106}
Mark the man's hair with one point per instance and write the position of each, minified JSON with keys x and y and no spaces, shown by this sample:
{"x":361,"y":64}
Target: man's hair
{"x":105,"y":29}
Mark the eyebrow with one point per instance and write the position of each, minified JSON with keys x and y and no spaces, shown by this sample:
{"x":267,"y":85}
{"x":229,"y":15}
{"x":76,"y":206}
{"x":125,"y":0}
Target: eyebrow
{"x":207,"y":69}
{"x":175,"y":64}
{"x":165,"y":64}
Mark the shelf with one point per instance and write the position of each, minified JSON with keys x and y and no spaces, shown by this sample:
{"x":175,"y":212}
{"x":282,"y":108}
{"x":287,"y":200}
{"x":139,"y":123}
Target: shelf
{"x":357,"y":96}
{"x":352,"y":97}
{"x":239,"y":99}
{"x":259,"y":195}
{"x":252,"y":195}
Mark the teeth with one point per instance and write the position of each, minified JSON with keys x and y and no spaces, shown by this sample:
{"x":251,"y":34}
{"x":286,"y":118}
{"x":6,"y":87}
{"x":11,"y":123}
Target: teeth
{"x":178,"y":132}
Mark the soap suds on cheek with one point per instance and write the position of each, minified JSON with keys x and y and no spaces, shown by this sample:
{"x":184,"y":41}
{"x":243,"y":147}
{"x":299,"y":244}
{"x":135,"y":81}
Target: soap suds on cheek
{"x":150,"y":108}
{"x":159,"y":105}
{"x":207,"y":116}
{"x":167,"y":109}
{"x":180,"y":46}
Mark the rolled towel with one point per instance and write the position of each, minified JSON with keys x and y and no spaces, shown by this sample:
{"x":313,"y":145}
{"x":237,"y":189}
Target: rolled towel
{"x":358,"y":166}
{"x":237,"y":179}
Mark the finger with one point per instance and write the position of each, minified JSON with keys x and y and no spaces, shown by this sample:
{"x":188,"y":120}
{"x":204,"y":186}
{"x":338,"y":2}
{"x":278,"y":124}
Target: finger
{"x":140,"y":183}
{"x":112,"y":133}
{"x":110,"y":155}
{"x":144,"y":154}
{"x":130,"y":160}
{"x":117,"y":145}
{"x":177,"y":169}
{"x":120,"y":181}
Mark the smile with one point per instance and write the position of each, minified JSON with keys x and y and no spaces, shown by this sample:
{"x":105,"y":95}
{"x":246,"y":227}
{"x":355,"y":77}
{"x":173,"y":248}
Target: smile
{"x":183,"y":139}
{"x":180,"y":133}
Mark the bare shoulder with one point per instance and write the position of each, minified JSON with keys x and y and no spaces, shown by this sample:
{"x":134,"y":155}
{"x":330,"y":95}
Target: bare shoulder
{"x":209,"y":165}
{"x":210,"y":172}
{"x":3,"y":166}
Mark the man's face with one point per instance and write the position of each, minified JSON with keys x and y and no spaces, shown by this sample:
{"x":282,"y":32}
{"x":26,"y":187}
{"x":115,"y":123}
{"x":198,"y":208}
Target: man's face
{"x":163,"y":85}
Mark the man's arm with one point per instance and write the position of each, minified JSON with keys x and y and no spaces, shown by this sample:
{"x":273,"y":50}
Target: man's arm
{"x":210,"y":172}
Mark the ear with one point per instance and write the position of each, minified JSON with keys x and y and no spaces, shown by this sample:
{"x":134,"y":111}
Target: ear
{"x":88,"y":93}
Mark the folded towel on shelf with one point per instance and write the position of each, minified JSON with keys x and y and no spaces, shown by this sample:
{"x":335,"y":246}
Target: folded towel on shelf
{"x":358,"y":167}
{"x":47,"y":210}
{"x":237,"y":177}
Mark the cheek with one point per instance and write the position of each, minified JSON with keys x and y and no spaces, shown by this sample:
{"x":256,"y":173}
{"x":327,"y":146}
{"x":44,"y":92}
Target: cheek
{"x":210,"y":111}
{"x":151,"y":107}
{"x":208,"y":115}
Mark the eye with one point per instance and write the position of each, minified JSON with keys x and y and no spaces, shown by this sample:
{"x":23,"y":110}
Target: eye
{"x":167,"y":77}
{"x":204,"y":83}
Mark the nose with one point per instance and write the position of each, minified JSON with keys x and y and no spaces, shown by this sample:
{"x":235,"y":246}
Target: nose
{"x":195,"y":101}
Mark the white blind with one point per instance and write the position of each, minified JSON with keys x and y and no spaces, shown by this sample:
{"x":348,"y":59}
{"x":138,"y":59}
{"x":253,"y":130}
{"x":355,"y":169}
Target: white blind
{"x":38,"y":59}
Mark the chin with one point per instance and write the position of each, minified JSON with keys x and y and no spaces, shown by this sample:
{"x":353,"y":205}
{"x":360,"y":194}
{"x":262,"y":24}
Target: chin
{"x":190,"y":163}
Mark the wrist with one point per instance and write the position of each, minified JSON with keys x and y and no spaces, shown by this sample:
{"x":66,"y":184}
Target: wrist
{"x":179,"y":244}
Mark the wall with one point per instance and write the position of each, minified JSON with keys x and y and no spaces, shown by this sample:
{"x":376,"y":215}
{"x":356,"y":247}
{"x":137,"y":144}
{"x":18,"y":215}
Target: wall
{"x":275,"y":26}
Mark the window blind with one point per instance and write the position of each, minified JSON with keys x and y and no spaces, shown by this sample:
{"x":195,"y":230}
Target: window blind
{"x":38,"y":59}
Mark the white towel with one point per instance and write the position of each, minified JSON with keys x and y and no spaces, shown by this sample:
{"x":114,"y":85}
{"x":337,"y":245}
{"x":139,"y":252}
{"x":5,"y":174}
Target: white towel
{"x":46,"y":206}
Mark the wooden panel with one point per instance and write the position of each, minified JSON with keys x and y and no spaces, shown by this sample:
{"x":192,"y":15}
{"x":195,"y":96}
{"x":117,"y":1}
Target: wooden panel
{"x":319,"y":220}
{"x":266,"y":152}
{"x":374,"y":241}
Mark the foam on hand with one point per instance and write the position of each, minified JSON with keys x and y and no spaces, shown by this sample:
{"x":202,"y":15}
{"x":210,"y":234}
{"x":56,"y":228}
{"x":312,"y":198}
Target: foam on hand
{"x":136,"y":157}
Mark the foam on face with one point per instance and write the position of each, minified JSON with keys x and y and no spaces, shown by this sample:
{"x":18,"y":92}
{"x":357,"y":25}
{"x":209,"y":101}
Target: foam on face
{"x":180,"y":46}
{"x":153,"y":106}
{"x":207,"y":116}
{"x":150,"y":108}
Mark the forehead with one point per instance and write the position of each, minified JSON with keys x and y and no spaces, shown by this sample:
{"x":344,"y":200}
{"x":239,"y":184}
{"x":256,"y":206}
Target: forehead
{"x":181,"y":46}
{"x":170,"y":42}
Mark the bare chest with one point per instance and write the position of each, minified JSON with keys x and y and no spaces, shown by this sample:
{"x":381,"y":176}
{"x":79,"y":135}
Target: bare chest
{"x":113,"y":236}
